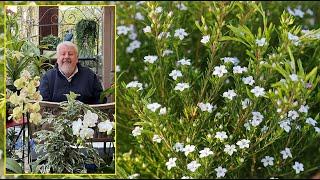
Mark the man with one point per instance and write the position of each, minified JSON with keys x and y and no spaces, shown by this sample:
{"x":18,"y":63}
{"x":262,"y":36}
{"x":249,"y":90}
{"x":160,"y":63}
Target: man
{"x":68,"y":75}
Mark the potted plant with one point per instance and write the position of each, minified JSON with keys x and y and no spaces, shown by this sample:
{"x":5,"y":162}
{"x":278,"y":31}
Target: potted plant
{"x":86,"y":37}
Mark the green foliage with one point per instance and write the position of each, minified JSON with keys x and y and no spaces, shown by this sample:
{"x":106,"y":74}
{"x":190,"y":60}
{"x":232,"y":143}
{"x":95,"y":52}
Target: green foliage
{"x":86,"y":36}
{"x":13,"y":166}
{"x":50,"y":42}
{"x":278,"y":55}
{"x":65,"y":153}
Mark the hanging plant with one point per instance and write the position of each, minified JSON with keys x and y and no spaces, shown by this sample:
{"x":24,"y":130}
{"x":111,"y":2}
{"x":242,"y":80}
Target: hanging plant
{"x":86,"y":37}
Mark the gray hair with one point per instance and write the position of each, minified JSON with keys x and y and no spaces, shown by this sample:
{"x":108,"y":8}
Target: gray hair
{"x":69,"y":44}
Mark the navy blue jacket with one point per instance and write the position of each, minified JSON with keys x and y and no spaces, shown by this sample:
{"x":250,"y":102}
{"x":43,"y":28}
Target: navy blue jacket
{"x":85,"y":82}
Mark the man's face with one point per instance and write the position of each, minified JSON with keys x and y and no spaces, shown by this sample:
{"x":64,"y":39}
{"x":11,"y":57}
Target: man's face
{"x":67,"y":59}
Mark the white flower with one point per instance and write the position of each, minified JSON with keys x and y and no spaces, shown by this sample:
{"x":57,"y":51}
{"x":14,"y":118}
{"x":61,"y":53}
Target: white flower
{"x":230,"y":149}
{"x":90,"y":119}
{"x":221,"y":172}
{"x":311,"y":121}
{"x":239,"y":69}
{"x":229,"y":94}
{"x":267,"y":161}
{"x":86,"y":133}
{"x":147,"y":29}
{"x":163,"y":111}
{"x":293,"y":38}
{"x":264,"y":129}
{"x":180,"y":33}
{"x":167,"y":52}
{"x":221,"y":135}
{"x":186,"y":177}
{"x":133,"y":176}
{"x":248,"y":80}
{"x":205,"y":152}
{"x":188,"y":149}
{"x":181,"y":6}
{"x":156,"y":138}
{"x":304,"y":109}
{"x":255,"y":122}
{"x":243,"y":143}
{"x":133,"y":45}
{"x":205,"y":39}
{"x":164,"y":35}
{"x":106,"y":126}
{"x":175,"y":74}
{"x":171,"y":163}
{"x":247,"y":126}
{"x":310,"y":12}
{"x":137,"y":131}
{"x":261,"y":42}
{"x":193,"y":166}
{"x":293,"y":114}
{"x":133,"y":36}
{"x":181,"y":86}
{"x":118,"y":68}
{"x":256,"y":119}
{"x":150,"y":59}
{"x":258,"y":91}
{"x":139,"y":16}
{"x":76,"y":126}
{"x":178,"y":147}
{"x":317,"y":129}
{"x":233,"y":60}
{"x":184,"y":62}
{"x":296,"y":12}
{"x":286,"y":153}
{"x":220,"y":70}
{"x":122,"y":30}
{"x":158,"y":9}
{"x":153,"y":107}
{"x":298,"y":167}
{"x":285,"y":125}
{"x":205,"y":107}
{"x":134,"y":84}
{"x":293,"y":77}
{"x":245,"y":103}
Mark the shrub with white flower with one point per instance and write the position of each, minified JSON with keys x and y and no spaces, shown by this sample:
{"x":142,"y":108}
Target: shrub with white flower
{"x":70,"y":135}
{"x":239,"y":82}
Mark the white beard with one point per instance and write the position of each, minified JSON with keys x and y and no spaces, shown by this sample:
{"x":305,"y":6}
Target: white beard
{"x":67,"y":69}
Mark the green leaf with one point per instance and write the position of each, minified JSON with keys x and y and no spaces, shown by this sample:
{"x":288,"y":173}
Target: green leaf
{"x":13,"y":166}
{"x":228,"y":38}
{"x":293,"y":66}
{"x":312,"y":75}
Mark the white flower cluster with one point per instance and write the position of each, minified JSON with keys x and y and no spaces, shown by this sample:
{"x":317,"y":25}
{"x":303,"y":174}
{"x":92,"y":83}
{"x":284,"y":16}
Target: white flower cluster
{"x":256,"y":119}
{"x":205,"y":107}
{"x":134,"y":84}
{"x":180,"y":33}
{"x":286,"y":153}
{"x":294,"y":39}
{"x":193,"y":165}
{"x":154,"y":106}
{"x":261,"y":42}
{"x":84,"y":129}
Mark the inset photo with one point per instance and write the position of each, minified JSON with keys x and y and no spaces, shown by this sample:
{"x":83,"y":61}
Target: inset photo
{"x":60,"y":107}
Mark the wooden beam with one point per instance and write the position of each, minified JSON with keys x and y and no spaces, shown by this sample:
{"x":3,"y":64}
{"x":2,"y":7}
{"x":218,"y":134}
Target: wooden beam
{"x":108,"y":52}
